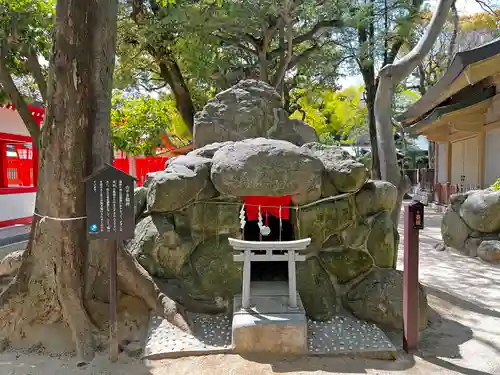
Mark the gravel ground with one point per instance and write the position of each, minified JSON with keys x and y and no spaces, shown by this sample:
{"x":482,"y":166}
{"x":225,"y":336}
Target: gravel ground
{"x":463,"y":338}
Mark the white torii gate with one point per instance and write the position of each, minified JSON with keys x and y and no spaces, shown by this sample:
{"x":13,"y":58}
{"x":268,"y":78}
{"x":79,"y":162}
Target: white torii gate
{"x":244,"y":253}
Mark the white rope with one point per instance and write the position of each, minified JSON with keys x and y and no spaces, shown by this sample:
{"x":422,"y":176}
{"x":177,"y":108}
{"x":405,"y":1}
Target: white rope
{"x":44,"y":217}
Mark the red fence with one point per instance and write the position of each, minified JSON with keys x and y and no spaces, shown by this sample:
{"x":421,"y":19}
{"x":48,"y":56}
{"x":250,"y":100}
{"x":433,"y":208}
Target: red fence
{"x":143,"y":166}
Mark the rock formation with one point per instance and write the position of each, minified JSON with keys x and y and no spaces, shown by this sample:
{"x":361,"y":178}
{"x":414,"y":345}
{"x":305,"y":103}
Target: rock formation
{"x":192,"y":207}
{"x":471,"y":224}
{"x":250,"y":109}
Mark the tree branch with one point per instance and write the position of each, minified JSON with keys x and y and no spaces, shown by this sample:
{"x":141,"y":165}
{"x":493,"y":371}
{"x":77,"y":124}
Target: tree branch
{"x":318,"y":28}
{"x":34,"y":67}
{"x":389,"y":77}
{"x":456,"y":27}
{"x":232,"y":40}
{"x":287,"y":58}
{"x":297,"y":59}
{"x":408,"y":63}
{"x":16,"y":97}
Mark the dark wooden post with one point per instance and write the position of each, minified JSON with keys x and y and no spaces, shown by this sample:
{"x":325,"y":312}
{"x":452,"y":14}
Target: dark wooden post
{"x":113,"y":313}
{"x":111,"y":215}
{"x":413,"y":222}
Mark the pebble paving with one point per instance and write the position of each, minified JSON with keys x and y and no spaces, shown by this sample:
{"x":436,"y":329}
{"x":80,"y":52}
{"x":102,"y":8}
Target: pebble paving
{"x":346,"y":335}
{"x":342,"y":335}
{"x":211,"y":334}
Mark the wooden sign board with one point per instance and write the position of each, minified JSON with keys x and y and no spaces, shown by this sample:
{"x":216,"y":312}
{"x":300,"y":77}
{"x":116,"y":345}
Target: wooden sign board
{"x":110,"y":204}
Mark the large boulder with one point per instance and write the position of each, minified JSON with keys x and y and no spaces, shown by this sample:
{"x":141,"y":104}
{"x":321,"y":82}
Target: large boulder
{"x":346,"y":264}
{"x":149,"y":177}
{"x":356,"y":235}
{"x":267,"y":167}
{"x":316,"y":290}
{"x":250,"y":109}
{"x":324,"y":219}
{"x":186,"y":179}
{"x":140,"y":197}
{"x":489,"y":251}
{"x":211,"y":272}
{"x":209,"y":150}
{"x":454,"y":231}
{"x":382,"y":242}
{"x":342,"y":172}
{"x":292,"y":130}
{"x":376,"y":196}
{"x":158,"y":247}
{"x":480,"y":211}
{"x":378,"y":298}
{"x":212,"y":218}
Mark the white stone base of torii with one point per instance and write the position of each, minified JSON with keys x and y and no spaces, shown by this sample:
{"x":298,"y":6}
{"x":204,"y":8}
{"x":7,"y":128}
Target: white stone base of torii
{"x":244,"y":252}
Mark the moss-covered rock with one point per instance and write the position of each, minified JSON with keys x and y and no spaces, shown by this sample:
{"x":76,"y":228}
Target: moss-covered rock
{"x":158,"y":247}
{"x":211,"y":270}
{"x":186,"y":179}
{"x":378,"y":298}
{"x":346,"y":264}
{"x":356,"y":235}
{"x":214,"y":218}
{"x":316,"y":290}
{"x":322,"y":220}
{"x":342,"y":172}
{"x":376,"y":196}
{"x":381,"y":242}
{"x":454,"y":230}
{"x":140,"y":195}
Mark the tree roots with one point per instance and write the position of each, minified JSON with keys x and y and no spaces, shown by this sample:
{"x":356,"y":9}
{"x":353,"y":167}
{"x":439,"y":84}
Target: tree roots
{"x":59,"y":296}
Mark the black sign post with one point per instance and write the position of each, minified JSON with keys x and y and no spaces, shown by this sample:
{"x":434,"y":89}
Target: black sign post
{"x":110,"y":215}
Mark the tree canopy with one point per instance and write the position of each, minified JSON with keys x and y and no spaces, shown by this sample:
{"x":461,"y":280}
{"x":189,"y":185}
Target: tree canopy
{"x":335,"y":115}
{"x":138,"y":124}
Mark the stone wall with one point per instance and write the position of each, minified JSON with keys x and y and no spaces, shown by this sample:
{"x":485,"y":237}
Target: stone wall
{"x":193,"y":206}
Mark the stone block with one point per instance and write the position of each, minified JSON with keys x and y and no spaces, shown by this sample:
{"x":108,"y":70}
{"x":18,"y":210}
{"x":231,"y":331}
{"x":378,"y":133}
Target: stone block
{"x":269,"y":326}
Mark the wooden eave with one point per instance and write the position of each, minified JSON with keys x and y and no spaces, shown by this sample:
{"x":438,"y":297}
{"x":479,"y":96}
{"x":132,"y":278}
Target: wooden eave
{"x":456,"y":121}
{"x":466,"y":69}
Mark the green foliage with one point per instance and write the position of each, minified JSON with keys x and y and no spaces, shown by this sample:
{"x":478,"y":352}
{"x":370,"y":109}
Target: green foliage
{"x":335,"y":115}
{"x":25,"y":25}
{"x":404,"y":98}
{"x":214,"y":43}
{"x":138,"y":124}
{"x":496,"y":185}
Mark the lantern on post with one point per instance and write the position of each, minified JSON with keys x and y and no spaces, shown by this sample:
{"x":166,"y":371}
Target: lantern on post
{"x":417,"y":214}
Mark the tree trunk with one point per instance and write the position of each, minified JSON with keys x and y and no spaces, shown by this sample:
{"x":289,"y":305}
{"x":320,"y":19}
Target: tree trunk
{"x":368,"y":73}
{"x":51,"y":282}
{"x":389,"y":77}
{"x":370,"y":90}
{"x":366,"y":35}
{"x":171,"y":73}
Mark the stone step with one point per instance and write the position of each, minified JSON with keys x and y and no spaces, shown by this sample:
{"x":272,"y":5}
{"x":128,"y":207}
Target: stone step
{"x":269,"y":326}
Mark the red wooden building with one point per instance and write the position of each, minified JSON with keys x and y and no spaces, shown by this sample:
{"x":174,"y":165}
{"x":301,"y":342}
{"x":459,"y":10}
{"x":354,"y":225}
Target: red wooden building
{"x":19,"y":165}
